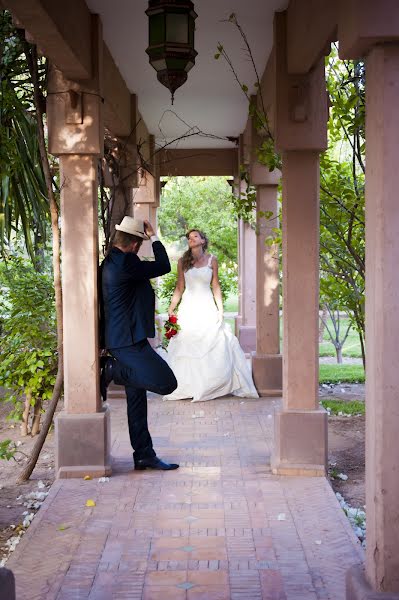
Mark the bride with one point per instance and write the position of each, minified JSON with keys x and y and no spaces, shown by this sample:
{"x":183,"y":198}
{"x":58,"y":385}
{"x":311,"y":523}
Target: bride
{"x":205,"y":356}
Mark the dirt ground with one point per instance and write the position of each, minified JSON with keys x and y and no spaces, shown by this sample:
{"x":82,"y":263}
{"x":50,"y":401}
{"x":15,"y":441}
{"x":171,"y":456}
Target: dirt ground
{"x":12,"y":509}
{"x":346,"y":456}
{"x":346,"y":445}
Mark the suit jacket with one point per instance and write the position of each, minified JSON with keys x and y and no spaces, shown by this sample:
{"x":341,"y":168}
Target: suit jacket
{"x":128,"y":300}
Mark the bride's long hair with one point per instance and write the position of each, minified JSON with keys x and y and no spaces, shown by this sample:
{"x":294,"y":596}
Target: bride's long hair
{"x":187,"y":258}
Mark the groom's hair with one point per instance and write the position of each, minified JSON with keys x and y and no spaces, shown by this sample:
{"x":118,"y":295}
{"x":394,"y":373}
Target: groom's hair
{"x":123,"y":239}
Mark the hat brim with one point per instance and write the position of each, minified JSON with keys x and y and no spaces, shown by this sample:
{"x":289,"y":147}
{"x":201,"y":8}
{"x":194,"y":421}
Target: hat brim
{"x":136,"y":233}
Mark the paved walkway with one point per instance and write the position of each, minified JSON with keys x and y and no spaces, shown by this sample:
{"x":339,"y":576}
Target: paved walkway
{"x":220,"y":527}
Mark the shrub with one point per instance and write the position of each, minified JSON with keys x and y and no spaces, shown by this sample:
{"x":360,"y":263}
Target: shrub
{"x":28,"y":340}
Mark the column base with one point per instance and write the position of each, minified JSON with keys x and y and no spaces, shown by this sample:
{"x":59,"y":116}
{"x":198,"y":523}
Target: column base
{"x":83,"y":443}
{"x":358,"y":588}
{"x":267,"y":371}
{"x":300,"y":443}
{"x":247,"y":337}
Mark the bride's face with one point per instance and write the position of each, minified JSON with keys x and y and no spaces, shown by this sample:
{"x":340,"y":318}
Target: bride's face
{"x":195,"y":240}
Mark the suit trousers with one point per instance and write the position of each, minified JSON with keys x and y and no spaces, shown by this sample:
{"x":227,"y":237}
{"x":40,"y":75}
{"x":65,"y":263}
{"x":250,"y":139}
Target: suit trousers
{"x":139,"y":368}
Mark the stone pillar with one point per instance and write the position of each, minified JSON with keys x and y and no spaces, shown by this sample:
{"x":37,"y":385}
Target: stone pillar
{"x":142,"y":211}
{"x":301,"y":427}
{"x":238,"y":317}
{"x":75,"y":132}
{"x":300,"y":133}
{"x":246,"y":327}
{"x":382,"y":330}
{"x":375,"y":36}
{"x":267,"y":360}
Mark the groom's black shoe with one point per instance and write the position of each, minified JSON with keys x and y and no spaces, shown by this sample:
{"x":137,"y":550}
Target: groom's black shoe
{"x":153,"y":463}
{"x":106,"y":375}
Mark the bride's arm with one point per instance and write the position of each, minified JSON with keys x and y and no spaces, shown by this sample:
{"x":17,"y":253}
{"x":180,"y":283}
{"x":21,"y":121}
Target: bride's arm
{"x":179,"y":289}
{"x":217,"y":292}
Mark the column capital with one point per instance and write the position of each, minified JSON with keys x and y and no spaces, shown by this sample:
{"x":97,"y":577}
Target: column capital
{"x":300,"y":102}
{"x":75,"y":109}
{"x":262,"y":177}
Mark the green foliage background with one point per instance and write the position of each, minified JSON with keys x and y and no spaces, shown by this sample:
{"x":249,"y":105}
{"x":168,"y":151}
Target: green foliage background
{"x":204,"y":203}
{"x":28,"y":340}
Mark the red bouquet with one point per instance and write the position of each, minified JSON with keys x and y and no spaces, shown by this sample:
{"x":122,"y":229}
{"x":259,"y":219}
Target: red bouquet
{"x":171,"y":328}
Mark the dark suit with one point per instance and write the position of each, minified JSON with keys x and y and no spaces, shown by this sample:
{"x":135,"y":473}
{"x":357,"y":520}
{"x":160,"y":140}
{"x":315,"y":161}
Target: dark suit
{"x":128,"y":306}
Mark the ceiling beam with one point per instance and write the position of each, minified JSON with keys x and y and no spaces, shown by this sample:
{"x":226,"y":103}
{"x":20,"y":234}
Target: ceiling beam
{"x":117,"y":98}
{"x":311,"y":27}
{"x":64,"y":37}
{"x":199,"y":161}
{"x":63,"y":34}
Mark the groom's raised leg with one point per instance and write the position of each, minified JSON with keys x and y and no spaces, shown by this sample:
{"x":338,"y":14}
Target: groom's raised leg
{"x":140,"y":366}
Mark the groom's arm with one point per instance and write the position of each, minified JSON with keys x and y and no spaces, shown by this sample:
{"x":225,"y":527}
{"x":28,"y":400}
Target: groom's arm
{"x":147,"y":269}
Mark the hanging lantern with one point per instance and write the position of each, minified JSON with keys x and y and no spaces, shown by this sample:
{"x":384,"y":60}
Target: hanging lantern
{"x":171,"y":40}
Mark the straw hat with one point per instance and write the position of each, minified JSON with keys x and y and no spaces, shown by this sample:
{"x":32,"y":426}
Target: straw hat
{"x":132,"y":226}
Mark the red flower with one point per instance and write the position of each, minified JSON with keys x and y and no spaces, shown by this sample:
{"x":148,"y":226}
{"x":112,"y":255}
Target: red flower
{"x":173,"y":332}
{"x":172,"y":319}
{"x":169,"y":334}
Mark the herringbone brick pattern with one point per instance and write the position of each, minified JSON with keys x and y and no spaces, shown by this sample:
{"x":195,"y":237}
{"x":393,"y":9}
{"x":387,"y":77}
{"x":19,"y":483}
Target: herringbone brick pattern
{"x":220,"y":527}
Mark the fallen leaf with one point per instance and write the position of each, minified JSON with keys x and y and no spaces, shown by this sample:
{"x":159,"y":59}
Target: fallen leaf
{"x":90,"y":503}
{"x":87,"y":477}
{"x":63,"y":527}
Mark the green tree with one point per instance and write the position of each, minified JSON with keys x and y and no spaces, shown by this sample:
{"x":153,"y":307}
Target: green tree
{"x":342,"y":224}
{"x":28,"y":341}
{"x":29,"y":195}
{"x":23,"y":192}
{"x":205,"y":203}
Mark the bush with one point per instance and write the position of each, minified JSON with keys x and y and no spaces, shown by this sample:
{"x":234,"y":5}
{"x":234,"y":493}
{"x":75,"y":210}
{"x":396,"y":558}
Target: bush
{"x":28,"y":339}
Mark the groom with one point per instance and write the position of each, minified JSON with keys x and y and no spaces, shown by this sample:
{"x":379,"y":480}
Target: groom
{"x":128,"y":306}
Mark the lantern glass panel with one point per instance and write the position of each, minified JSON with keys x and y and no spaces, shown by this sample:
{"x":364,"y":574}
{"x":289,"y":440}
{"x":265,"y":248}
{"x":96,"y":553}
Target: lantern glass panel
{"x":157,"y":29}
{"x":177,"y":28}
{"x":159,"y":65}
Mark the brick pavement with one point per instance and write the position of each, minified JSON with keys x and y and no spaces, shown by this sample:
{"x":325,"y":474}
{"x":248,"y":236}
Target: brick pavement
{"x":220,"y":527}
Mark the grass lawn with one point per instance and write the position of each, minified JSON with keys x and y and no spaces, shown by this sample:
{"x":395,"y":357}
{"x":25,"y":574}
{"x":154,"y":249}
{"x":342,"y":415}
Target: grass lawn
{"x":352,"y":407}
{"x":341,"y":374}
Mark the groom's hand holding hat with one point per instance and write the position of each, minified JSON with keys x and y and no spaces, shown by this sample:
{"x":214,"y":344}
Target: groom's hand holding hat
{"x":148,"y":229}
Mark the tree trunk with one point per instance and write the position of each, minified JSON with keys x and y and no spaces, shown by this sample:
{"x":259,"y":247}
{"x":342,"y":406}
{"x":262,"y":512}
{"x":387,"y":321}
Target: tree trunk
{"x":36,"y":417}
{"x":322,"y":325}
{"x":338,"y":351}
{"x":25,"y":415}
{"x":41,"y":438}
{"x":57,"y":390}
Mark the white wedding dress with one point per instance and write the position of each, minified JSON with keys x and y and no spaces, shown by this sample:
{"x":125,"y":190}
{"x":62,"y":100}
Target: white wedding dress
{"x":205,"y":356}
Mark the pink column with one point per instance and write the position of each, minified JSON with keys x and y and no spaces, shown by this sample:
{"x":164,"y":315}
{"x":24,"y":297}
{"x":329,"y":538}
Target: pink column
{"x":267,"y":360}
{"x":301,"y":133}
{"x":75,"y":133}
{"x":382,"y":330}
{"x":246,"y":326}
{"x":238,"y":318}
{"x":301,"y":426}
